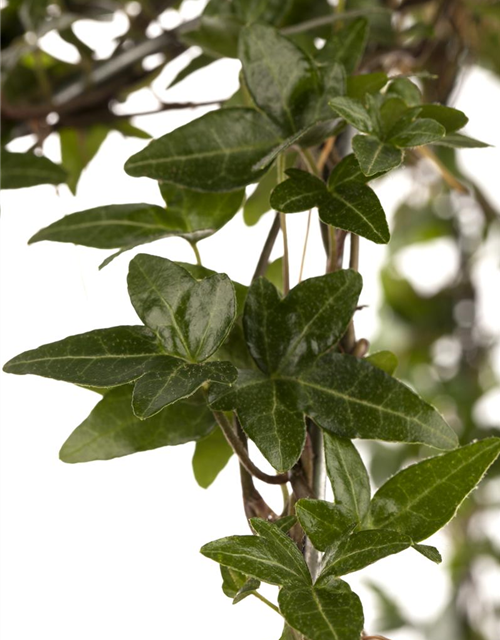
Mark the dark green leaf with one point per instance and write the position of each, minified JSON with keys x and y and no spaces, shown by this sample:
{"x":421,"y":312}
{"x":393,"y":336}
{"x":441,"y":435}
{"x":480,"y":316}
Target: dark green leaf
{"x":323,"y":522}
{"x":375,"y":156}
{"x":384,"y":360}
{"x":78,"y":147}
{"x":348,"y":476}
{"x":358,"y":86}
{"x":232,"y":581}
{"x":431,"y":553}
{"x":210,"y":457}
{"x":286,"y":523}
{"x":353,"y":112}
{"x":422,"y":498}
{"x":458,"y":140}
{"x":101,"y":358}
{"x":346,"y":45}
{"x":200,"y":62}
{"x":330,"y":612}
{"x":191,"y":318}
{"x":419,"y":132}
{"x":250,"y":586}
{"x":112,"y":430}
{"x":360,"y":550}
{"x":301,"y":192}
{"x":267,"y":410}
{"x":217,"y":152}
{"x":280,"y":77}
{"x":171,"y":379}
{"x":347,"y":170}
{"x":354,"y":399}
{"x":21,"y":170}
{"x":450,"y":119}
{"x":258,"y":203}
{"x":407,"y":90}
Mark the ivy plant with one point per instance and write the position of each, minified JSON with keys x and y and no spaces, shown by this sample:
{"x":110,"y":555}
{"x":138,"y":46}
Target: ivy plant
{"x":320,"y":114}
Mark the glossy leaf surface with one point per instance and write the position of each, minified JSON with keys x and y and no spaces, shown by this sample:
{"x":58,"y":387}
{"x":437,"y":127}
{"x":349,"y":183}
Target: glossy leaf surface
{"x":112,"y":430}
{"x":323,"y":522}
{"x":331,"y":612}
{"x":217,"y":152}
{"x":191,"y":318}
{"x":422,"y":498}
{"x":101,"y":358}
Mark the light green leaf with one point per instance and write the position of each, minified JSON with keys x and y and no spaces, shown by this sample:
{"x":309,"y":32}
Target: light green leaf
{"x":171,"y":379}
{"x":258,"y":203}
{"x":353,"y":399}
{"x":21,"y":170}
{"x":422,"y":498}
{"x":232,"y":581}
{"x":78,"y":147}
{"x":112,"y":430}
{"x":353,"y":112}
{"x":346,"y":45}
{"x":360,"y":550}
{"x":405,"y":89}
{"x":384,"y":360}
{"x":250,"y":586}
{"x":358,"y":86}
{"x":330,"y":612}
{"x":375,"y":156}
{"x":191,"y":318}
{"x":217,"y":152}
{"x":431,"y":553}
{"x":323,"y":522}
{"x":210,"y":456}
{"x":420,"y":131}
{"x":280,"y":77}
{"x":101,"y":358}
{"x":348,"y":476}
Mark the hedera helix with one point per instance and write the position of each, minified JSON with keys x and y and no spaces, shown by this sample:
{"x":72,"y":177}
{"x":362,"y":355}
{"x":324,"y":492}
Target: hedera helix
{"x":220,"y":363}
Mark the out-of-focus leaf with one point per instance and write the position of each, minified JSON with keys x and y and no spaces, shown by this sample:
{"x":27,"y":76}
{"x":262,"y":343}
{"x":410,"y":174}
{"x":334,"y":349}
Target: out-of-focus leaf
{"x":210,"y":457}
{"x":21,"y":170}
{"x":78,"y":147}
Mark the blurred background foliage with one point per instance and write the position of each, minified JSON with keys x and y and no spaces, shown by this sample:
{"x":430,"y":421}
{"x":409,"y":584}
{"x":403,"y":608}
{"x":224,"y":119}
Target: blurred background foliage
{"x":442,"y":347}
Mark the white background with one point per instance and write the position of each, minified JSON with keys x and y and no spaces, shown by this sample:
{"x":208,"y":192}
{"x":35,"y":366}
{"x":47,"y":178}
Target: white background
{"x":109,"y":551}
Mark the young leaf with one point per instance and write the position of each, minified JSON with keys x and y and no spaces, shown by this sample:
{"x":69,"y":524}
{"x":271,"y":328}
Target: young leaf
{"x":351,"y":398}
{"x":269,"y":415}
{"x":210,"y":456}
{"x":330,"y":612}
{"x":101,"y":358}
{"x":217,"y":152}
{"x":250,"y":586}
{"x":348,"y":476}
{"x":112,"y":430}
{"x":191,"y":318}
{"x":353,"y":112}
{"x":422,"y":498}
{"x":360,"y":550}
{"x":346,"y":45}
{"x":323,"y":522}
{"x":375,"y":156}
{"x":280,"y":77}
{"x":420,"y":131}
{"x":431,"y":553}
{"x":172,"y":379}
{"x":384,"y":360}
{"x":232,"y":581}
{"x":21,"y":170}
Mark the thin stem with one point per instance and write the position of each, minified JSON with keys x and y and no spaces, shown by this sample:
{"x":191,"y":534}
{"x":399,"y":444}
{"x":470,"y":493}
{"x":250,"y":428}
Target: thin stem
{"x":260,"y":270}
{"x":354,"y":255}
{"x":332,"y":250}
{"x":304,"y":250}
{"x":312,"y":555}
{"x":309,"y":160}
{"x":239,"y":448}
{"x":194,"y":246}
{"x":329,"y":19}
{"x":286,"y":256}
{"x":266,"y":601}
{"x":447,"y":176}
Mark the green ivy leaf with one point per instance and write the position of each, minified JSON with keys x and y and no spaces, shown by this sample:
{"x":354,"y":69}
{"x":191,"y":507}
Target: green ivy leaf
{"x":420,"y":131}
{"x":112,"y":430}
{"x":101,"y":358}
{"x":232,"y":581}
{"x":267,"y":559}
{"x":348,"y":476}
{"x":280,"y":77}
{"x":384,"y":360}
{"x":21,"y":170}
{"x":258,"y":203}
{"x":200,"y":62}
{"x":330,"y":612}
{"x":217,"y":152}
{"x":360,"y":550}
{"x":460,"y":141}
{"x":353,"y":112}
{"x":210,"y":456}
{"x":358,"y":86}
{"x":346,"y":45}
{"x":191,"y":318}
{"x":302,"y":191}
{"x":422,"y":498}
{"x":405,"y":89}
{"x":171,"y":379}
{"x":250,"y":586}
{"x":78,"y":147}
{"x":375,"y":156}
{"x":431,"y":553}
{"x":323,"y":522}
{"x":450,"y":119}
{"x":351,"y":398}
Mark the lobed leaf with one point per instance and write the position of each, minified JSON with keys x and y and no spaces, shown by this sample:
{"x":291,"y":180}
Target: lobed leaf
{"x":324,"y":523}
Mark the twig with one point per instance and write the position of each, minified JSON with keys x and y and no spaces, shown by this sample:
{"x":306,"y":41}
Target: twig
{"x":323,"y":21}
{"x":239,"y":448}
{"x":261,"y":267}
{"x":286,"y":256}
{"x":304,"y":250}
{"x":447,"y":176}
